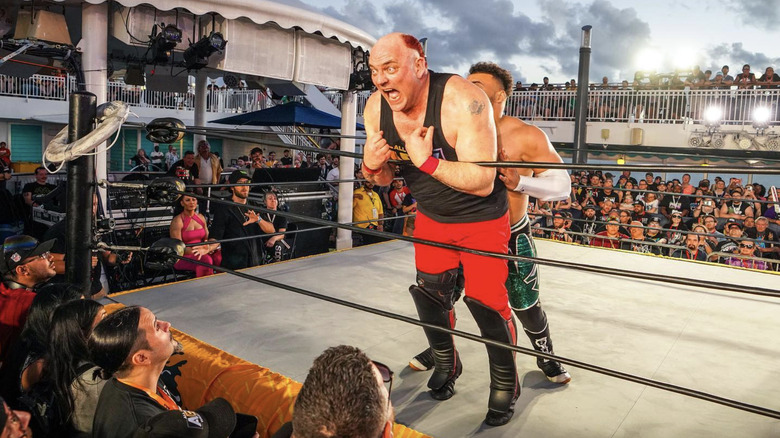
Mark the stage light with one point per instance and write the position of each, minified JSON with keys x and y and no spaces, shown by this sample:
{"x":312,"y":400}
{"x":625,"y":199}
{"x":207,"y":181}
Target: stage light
{"x":197,"y":55}
{"x":712,"y":116}
{"x":761,"y":117}
{"x":695,"y":141}
{"x":717,"y":141}
{"x":621,"y":160}
{"x":164,"y":42}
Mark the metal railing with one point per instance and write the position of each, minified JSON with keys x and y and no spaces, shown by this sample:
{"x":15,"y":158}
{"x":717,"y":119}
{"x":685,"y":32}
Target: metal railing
{"x":60,"y":87}
{"x":628,"y":105}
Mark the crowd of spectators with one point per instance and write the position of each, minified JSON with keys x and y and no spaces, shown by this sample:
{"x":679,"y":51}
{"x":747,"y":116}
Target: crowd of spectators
{"x":729,"y":222}
{"x":67,"y":368}
{"x":621,"y":104}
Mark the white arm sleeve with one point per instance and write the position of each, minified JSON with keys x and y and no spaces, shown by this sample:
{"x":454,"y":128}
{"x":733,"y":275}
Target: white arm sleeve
{"x":550,"y":185}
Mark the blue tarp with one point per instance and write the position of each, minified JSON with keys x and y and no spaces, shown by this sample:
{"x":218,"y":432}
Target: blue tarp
{"x":289,"y":114}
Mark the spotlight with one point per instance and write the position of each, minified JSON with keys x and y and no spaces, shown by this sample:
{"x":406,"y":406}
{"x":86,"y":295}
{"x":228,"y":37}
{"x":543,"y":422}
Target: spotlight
{"x":773,"y":144}
{"x":197,"y":55}
{"x":717,"y":141}
{"x":695,"y":141}
{"x":164,"y":42}
{"x":712,"y":117}
{"x":761,"y":116}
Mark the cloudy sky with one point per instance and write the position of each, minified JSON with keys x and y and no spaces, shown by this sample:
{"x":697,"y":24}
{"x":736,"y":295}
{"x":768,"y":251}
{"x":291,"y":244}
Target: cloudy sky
{"x":536,"y":38}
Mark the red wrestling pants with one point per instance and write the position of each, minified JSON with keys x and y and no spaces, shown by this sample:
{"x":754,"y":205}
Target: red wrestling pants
{"x":485,"y":276}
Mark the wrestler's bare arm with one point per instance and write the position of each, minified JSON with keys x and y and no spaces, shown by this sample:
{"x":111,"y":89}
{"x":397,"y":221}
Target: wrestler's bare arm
{"x":376,"y":151}
{"x":467,"y":121}
{"x":520,"y":141}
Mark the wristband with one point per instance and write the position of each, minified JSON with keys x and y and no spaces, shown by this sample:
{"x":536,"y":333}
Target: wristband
{"x":430,"y":165}
{"x":369,"y":171}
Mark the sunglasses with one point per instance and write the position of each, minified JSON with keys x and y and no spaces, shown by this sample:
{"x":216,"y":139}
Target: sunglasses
{"x":742,"y":245}
{"x":387,"y":375}
{"x":45,"y":256}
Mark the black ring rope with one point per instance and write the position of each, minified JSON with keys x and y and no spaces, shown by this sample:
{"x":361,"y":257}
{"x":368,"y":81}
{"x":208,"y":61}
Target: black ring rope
{"x":735,"y":404}
{"x":638,"y":167}
{"x":752,"y":290}
{"x":258,"y":131}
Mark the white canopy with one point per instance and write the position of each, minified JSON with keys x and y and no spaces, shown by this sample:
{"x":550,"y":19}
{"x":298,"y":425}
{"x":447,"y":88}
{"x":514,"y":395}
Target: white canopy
{"x":264,"y":11}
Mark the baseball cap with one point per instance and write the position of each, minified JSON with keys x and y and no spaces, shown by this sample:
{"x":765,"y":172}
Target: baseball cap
{"x":732,"y":222}
{"x":18,"y":248}
{"x":639,"y":202}
{"x":237,"y":175}
{"x":720,"y":73}
{"x":609,"y":175}
{"x":215,"y":419}
{"x":676,"y":213}
{"x":590,"y":207}
{"x":613,"y":219}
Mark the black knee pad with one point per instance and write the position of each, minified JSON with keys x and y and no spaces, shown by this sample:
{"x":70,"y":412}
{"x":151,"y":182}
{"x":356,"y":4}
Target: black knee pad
{"x":438,"y":287}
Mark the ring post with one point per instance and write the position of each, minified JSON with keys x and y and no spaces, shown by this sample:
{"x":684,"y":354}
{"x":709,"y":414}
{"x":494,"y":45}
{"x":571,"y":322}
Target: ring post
{"x":81,"y":176}
{"x":580,"y":155}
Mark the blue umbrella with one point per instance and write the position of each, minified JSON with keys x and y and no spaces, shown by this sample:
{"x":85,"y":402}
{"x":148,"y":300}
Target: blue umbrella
{"x":289,"y":114}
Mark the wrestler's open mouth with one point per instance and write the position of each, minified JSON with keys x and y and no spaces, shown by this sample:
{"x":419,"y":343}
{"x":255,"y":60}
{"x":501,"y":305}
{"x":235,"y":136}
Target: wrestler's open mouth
{"x":392,"y":94}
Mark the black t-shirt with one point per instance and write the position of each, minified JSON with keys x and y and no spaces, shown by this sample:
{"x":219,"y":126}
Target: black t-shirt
{"x":286,"y":161}
{"x":38,"y":190}
{"x":121,"y":409}
{"x":727,"y":246}
{"x":601,"y":196}
{"x":675,"y":202}
{"x":278,"y":221}
{"x":180,"y":171}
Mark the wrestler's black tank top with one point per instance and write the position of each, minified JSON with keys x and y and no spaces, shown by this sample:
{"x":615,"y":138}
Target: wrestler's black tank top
{"x":435,"y":199}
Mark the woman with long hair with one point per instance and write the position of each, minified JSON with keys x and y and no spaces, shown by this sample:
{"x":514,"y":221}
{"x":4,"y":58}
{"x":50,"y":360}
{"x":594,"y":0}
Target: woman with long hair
{"x":75,"y":380}
{"x":25,"y":363}
{"x":189,"y":226}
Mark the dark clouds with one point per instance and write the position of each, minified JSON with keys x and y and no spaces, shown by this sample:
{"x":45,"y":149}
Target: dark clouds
{"x":461,"y":32}
{"x":758,"y":13}
{"x":735,"y":56}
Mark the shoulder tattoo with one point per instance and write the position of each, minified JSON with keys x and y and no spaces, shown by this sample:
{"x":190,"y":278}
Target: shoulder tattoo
{"x":476,"y":107}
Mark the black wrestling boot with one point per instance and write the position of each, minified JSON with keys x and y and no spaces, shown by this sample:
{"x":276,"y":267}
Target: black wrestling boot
{"x":504,"y":385}
{"x":534,"y":322}
{"x":447,"y":365}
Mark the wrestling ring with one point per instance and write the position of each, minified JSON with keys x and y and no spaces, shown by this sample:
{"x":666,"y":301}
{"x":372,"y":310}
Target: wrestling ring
{"x":657,"y":348}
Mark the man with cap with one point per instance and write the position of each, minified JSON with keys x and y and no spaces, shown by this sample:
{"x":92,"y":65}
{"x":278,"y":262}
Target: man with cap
{"x":736,"y":207}
{"x":26,"y":264}
{"x":232,"y":221}
{"x":611,"y":237}
{"x":639,"y":213}
{"x":132,"y":346}
{"x":559,"y":228}
{"x":215,"y":419}
{"x":733,"y":232}
{"x":14,"y":424}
